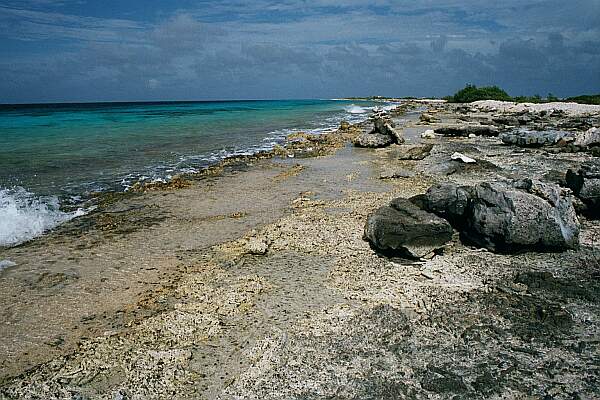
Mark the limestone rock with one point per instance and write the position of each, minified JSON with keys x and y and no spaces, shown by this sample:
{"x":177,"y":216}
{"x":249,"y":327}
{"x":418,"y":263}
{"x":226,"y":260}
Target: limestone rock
{"x":585,"y":183}
{"x":528,"y":138}
{"x":462,"y":158}
{"x":466,"y":130}
{"x":405,"y":228}
{"x":373,"y":140}
{"x":509,"y":215}
{"x":591,"y":137}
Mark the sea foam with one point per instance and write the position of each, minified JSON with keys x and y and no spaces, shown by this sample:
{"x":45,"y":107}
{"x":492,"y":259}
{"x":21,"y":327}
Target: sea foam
{"x":354,"y":109}
{"x":23,"y":216}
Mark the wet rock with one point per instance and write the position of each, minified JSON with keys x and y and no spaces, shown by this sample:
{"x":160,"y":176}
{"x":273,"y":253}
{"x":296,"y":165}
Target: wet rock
{"x":527,"y":138}
{"x":591,"y":137}
{"x":405,"y":228}
{"x":585,"y":183}
{"x":373,"y":140}
{"x":466,"y":130}
{"x":508,"y":216}
{"x":344,"y":125}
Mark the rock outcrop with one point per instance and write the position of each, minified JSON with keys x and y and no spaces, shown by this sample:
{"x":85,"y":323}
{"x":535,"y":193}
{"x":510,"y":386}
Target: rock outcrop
{"x":585,"y":183}
{"x":466,"y":130}
{"x":528,"y":138}
{"x":383,"y":134}
{"x":373,"y":140}
{"x":508,"y":216}
{"x":405,"y":228}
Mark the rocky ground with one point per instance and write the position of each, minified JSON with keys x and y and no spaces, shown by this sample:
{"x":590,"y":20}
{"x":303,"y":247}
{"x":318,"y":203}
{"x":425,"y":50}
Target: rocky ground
{"x":300,"y":306}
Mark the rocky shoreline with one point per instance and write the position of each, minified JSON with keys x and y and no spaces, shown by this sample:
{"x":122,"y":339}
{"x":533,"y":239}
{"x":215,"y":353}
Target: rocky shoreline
{"x":460,"y":258}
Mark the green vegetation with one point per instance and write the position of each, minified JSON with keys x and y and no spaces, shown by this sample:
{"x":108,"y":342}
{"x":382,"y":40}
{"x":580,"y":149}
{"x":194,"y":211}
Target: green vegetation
{"x":586,"y":99}
{"x":471,"y":93}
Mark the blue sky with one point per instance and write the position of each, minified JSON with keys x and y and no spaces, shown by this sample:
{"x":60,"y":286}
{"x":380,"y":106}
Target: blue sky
{"x":84,"y":50}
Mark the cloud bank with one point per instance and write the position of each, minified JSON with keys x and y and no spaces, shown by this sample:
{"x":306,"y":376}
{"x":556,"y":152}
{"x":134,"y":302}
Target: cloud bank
{"x":67,"y":51}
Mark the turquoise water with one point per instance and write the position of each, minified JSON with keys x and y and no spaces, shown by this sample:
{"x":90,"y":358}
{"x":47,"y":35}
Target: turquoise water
{"x":55,"y":154}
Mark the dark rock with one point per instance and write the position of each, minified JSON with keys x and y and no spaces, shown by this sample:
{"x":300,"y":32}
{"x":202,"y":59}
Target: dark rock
{"x":403,"y":227}
{"x":507,"y":216}
{"x":373,"y":140}
{"x":527,"y":138}
{"x":391,"y":173}
{"x":385,"y":126}
{"x":466,"y":130}
{"x":525,"y":214}
{"x":449,"y":201}
{"x":585,"y":183}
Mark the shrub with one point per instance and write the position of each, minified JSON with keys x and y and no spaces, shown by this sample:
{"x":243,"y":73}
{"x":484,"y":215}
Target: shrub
{"x":471,"y":93}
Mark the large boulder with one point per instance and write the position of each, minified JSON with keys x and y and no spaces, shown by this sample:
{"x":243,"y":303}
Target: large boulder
{"x":506,"y":216}
{"x":466,"y":130}
{"x":528,"y":138}
{"x":585,"y":183}
{"x":405,"y":228}
{"x":373,"y":140}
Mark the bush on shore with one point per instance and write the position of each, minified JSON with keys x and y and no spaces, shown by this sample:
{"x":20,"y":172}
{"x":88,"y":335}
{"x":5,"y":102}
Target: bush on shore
{"x":471,"y":93}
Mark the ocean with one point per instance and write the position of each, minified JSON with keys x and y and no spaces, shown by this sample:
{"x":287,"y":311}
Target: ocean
{"x":52,"y":156}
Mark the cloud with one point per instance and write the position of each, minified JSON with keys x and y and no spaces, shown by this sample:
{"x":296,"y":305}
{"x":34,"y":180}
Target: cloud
{"x":294,"y":48}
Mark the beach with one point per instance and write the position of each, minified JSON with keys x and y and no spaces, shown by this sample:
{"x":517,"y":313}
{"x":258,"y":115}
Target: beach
{"x":252,"y":279}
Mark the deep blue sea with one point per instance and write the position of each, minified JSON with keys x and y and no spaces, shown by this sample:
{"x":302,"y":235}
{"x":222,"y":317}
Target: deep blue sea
{"x":52,"y":155}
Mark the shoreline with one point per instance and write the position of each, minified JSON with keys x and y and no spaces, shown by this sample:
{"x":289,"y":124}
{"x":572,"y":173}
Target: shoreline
{"x":257,"y":283}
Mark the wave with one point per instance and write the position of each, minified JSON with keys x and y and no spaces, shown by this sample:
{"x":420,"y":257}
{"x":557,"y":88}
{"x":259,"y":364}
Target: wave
{"x":25,"y":216}
{"x":354,"y":109}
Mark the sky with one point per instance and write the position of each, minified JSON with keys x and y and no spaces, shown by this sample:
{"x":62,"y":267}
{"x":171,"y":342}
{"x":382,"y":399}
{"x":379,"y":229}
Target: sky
{"x":143,"y":50}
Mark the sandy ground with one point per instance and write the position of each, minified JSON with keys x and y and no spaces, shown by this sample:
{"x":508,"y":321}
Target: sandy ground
{"x":257,"y":284}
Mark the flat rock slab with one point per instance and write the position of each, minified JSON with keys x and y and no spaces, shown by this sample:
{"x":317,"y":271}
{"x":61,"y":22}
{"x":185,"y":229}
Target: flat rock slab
{"x":527,"y":138}
{"x":373,"y":140}
{"x":466,"y":130}
{"x":407,"y":229}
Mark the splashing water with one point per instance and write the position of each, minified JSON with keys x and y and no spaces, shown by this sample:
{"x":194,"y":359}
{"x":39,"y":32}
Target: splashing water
{"x":24,"y":216}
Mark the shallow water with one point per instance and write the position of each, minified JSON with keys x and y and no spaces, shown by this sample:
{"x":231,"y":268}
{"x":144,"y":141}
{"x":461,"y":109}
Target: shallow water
{"x":59,"y":153}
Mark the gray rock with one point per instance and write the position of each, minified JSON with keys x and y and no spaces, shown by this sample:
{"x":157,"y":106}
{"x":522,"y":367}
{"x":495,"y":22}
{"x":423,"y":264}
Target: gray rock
{"x":591,"y":137}
{"x":404,"y":227}
{"x":585,"y":183}
{"x":410,"y":151}
{"x":373,"y":140}
{"x":448,"y":200}
{"x":466,"y":130}
{"x":528,"y":138}
{"x":506,"y":121}
{"x":385,"y":126}
{"x":525,"y":214}
{"x":508,"y":216}
{"x":426,"y":117}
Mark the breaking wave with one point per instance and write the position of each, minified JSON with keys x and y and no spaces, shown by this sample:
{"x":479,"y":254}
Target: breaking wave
{"x":23,"y":216}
